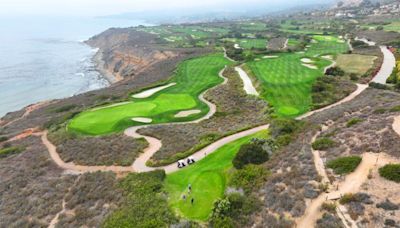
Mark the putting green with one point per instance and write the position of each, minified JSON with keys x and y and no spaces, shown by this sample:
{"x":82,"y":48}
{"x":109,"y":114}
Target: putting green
{"x":193,"y":77}
{"x":286,"y":82}
{"x":208,"y":178}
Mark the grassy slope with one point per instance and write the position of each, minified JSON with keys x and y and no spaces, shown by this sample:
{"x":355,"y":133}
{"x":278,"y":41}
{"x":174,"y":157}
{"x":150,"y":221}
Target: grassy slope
{"x":286,"y":83}
{"x":193,"y":77}
{"x":357,"y":64}
{"x":208,"y":178}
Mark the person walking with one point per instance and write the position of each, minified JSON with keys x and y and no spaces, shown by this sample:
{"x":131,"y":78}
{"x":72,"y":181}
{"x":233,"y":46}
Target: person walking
{"x":184,"y":197}
{"x":192,"y":201}
{"x":190,"y":187}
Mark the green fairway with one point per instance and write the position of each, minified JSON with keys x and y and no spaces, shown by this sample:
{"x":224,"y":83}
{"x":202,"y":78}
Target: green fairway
{"x":286,"y":81}
{"x":208,"y":178}
{"x":252,"y":43}
{"x":192,"y":78}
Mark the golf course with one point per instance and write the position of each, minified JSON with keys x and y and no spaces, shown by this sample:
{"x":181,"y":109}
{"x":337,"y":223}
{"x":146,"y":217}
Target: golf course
{"x":208,"y":178}
{"x":286,"y":81}
{"x":192,"y":78}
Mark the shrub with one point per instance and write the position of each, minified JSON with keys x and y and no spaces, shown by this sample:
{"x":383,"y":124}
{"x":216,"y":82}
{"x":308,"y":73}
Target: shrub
{"x":64,"y":108}
{"x":7,"y":151}
{"x":323,"y":144}
{"x":335,"y":71}
{"x":347,"y":198}
{"x":330,"y":207}
{"x":353,"y":122}
{"x":344,"y":165}
{"x":144,"y":204}
{"x":388,"y":206}
{"x":249,"y":178}
{"x":395,"y":109}
{"x":378,"y":86}
{"x":251,"y":153}
{"x":3,"y":138}
{"x":391,"y":172}
{"x":283,"y":130}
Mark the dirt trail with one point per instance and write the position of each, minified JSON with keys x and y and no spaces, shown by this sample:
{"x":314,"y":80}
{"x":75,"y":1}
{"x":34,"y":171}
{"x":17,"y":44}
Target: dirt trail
{"x":28,"y":111}
{"x":351,"y":184}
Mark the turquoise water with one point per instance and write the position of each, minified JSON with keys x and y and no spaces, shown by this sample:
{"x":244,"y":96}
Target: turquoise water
{"x":44,"y":58}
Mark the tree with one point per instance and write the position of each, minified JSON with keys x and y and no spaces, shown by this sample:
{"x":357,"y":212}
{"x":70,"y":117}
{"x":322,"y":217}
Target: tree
{"x":251,"y":153}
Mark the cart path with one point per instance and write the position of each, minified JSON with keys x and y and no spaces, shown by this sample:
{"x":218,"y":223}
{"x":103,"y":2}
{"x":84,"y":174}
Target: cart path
{"x":389,"y":62}
{"x":247,"y":82}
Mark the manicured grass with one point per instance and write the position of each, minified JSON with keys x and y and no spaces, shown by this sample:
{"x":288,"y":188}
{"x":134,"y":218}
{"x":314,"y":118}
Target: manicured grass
{"x":356,"y":64}
{"x":208,"y":178}
{"x":252,"y":43}
{"x":391,"y":172}
{"x":192,"y":78}
{"x":344,"y":165}
{"x":286,"y":83}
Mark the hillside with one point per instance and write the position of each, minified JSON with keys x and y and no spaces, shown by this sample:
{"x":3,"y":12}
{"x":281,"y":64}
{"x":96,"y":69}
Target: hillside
{"x":290,"y":121}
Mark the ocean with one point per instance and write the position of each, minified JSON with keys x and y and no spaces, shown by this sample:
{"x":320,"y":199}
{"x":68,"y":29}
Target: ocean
{"x":44,"y":58}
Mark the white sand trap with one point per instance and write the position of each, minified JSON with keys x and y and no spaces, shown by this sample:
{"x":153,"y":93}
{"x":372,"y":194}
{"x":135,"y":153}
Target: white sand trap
{"x":329,"y":57}
{"x":341,"y":41}
{"x":113,"y":105}
{"x":300,"y":52}
{"x":314,"y":41}
{"x":306,"y":60}
{"x":236,"y":46}
{"x":142,"y":120}
{"x":257,"y":59}
{"x":152,"y":91}
{"x":270,"y":57}
{"x":311,"y":66}
{"x":308,"y":46}
{"x":370,"y":43}
{"x":187,"y":113}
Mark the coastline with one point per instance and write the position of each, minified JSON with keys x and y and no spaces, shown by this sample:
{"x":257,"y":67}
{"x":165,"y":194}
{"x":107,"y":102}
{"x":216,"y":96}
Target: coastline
{"x":100,"y":67}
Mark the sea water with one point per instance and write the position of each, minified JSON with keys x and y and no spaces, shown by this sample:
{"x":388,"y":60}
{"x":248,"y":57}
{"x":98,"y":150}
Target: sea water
{"x":44,"y":58}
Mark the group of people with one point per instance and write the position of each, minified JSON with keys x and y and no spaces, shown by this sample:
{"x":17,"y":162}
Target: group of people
{"x":189,"y":192}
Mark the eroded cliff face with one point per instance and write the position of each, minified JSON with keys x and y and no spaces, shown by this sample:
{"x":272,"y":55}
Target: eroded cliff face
{"x":126,"y":52}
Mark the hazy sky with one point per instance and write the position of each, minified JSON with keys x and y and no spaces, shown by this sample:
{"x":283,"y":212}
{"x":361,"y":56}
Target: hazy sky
{"x":107,"y":7}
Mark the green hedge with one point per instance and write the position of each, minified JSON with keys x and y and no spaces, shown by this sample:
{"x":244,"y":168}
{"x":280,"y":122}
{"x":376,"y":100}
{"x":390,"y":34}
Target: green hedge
{"x":344,"y":165}
{"x":323,"y":144}
{"x":5,"y":152}
{"x":391,"y":172}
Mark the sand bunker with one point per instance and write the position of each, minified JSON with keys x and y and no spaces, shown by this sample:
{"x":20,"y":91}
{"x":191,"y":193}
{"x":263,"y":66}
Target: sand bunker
{"x":329,"y":57}
{"x":306,"y":60}
{"x":310,"y":66}
{"x":187,"y":113}
{"x":270,"y":57}
{"x":142,"y":120}
{"x":236,"y":46}
{"x":300,"y":52}
{"x":152,"y":91}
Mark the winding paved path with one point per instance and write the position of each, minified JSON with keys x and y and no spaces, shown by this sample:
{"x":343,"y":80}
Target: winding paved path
{"x":389,"y":62}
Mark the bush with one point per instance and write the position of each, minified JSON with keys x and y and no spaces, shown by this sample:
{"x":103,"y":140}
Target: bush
{"x":353,"y":122}
{"x":347,"y":198}
{"x":330,"y":207}
{"x":64,"y":108}
{"x":335,"y":71}
{"x":249,"y":178}
{"x":251,"y":153}
{"x":3,"y":138}
{"x":283,"y":130}
{"x":391,"y":172}
{"x":144,"y":204}
{"x":323,"y":144}
{"x":344,"y":165}
{"x":378,"y":86}
{"x":7,"y":151}
{"x":395,"y":109}
{"x":388,"y":206}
